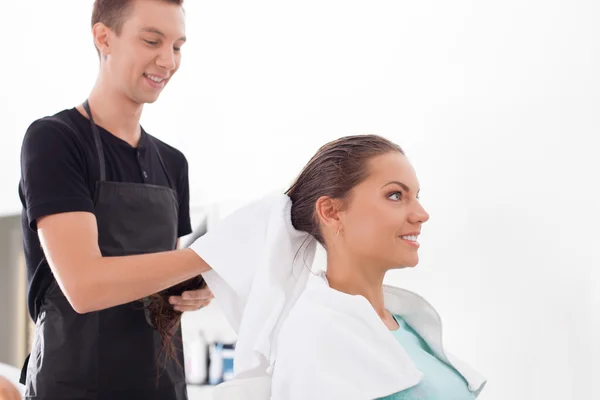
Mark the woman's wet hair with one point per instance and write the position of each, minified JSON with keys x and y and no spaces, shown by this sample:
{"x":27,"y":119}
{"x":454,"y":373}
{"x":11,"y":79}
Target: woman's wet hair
{"x":165,"y":319}
{"x":333,"y":171}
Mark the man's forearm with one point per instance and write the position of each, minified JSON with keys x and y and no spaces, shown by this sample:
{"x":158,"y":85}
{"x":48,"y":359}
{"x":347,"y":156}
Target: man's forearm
{"x":118,"y":280}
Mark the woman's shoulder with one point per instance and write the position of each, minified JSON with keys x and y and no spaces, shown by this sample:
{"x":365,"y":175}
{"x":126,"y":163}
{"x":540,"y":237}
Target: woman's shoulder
{"x":331,"y":337}
{"x":324,"y":314}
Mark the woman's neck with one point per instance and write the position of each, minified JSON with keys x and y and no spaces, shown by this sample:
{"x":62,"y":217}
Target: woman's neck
{"x":355,"y":278}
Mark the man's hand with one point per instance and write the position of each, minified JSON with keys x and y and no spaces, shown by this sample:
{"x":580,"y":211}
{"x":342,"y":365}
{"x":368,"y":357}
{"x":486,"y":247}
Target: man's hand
{"x":192,"y":300}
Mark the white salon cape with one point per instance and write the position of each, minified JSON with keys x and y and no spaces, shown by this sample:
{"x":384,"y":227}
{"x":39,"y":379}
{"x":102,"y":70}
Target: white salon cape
{"x":298,"y":339}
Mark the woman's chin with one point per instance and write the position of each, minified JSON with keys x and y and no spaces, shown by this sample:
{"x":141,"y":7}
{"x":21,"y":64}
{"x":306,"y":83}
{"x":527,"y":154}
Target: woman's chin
{"x":411,"y":263}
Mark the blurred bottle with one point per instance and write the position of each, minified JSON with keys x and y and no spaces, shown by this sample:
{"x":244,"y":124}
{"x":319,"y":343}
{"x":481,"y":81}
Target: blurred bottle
{"x":228,"y":355}
{"x":197,"y":360}
{"x":215,"y":370}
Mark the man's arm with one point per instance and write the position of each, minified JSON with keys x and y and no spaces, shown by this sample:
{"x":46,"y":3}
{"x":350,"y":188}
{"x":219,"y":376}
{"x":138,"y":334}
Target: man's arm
{"x":92,"y":282}
{"x":59,"y":207}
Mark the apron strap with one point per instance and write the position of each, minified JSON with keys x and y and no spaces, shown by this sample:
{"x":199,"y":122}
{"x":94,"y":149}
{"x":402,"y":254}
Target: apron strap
{"x":23,"y":376}
{"x":100,"y":150}
{"x":162,"y":163}
{"x":97,"y":140}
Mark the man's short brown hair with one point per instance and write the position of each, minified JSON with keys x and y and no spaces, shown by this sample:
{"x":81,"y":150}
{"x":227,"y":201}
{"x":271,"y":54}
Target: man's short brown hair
{"x":113,"y":13}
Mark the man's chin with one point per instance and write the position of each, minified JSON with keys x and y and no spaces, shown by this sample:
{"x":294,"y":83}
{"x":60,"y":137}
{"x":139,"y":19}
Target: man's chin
{"x":150,"y":100}
{"x":145,"y":98}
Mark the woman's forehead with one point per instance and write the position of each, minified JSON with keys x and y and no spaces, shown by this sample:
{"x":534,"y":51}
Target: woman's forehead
{"x":392,"y":167}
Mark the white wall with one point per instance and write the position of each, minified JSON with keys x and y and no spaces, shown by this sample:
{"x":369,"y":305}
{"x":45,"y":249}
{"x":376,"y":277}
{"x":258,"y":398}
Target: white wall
{"x":496,"y":103}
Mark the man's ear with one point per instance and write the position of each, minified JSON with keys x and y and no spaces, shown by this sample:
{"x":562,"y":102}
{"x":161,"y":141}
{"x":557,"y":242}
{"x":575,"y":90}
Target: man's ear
{"x":102,"y":35}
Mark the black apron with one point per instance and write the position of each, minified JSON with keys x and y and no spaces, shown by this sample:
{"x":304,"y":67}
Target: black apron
{"x":111,"y":354}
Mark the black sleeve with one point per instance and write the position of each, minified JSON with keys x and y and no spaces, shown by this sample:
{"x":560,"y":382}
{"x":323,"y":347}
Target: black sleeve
{"x":53,"y":172}
{"x":185,"y":224}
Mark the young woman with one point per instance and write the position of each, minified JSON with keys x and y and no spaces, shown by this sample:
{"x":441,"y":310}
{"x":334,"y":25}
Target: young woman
{"x":341,"y":334}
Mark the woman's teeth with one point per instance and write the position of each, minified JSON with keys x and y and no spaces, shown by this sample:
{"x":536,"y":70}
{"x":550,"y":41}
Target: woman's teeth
{"x":412,"y":238}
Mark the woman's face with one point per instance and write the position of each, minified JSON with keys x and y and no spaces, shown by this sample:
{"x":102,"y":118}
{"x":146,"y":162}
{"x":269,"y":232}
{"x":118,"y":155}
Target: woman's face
{"x":383,"y":220}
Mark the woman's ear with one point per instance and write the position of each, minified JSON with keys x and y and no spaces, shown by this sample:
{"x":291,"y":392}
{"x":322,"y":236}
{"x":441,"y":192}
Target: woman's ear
{"x":328,"y":212}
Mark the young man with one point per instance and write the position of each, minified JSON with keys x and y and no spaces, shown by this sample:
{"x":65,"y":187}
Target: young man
{"x":103,"y":202}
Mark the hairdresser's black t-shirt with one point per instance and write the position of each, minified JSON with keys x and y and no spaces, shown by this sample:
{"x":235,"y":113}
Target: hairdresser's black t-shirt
{"x":59,"y":171}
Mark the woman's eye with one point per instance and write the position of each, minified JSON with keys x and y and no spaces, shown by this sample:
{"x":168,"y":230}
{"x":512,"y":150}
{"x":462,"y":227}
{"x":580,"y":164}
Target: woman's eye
{"x":396,"y":196}
{"x":150,"y":42}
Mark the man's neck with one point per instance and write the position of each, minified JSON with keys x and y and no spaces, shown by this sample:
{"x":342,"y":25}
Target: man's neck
{"x":116,"y":113}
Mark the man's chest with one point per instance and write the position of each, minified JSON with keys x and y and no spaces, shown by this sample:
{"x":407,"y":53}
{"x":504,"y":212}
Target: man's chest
{"x":128,"y":165}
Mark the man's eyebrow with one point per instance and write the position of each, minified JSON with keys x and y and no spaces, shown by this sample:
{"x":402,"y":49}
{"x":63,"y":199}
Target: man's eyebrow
{"x":158,"y":32}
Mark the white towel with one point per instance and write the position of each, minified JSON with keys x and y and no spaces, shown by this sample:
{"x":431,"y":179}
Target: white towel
{"x":260,"y":265}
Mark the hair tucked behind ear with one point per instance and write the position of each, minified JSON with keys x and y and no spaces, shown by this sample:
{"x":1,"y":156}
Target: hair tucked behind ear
{"x":333,"y":171}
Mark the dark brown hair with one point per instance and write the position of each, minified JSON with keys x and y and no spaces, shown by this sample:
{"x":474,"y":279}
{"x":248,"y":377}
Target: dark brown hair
{"x":113,"y":13}
{"x":165,"y":319}
{"x":333,"y":171}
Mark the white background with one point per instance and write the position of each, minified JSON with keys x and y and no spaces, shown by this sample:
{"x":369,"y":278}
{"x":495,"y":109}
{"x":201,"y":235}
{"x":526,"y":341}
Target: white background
{"x":495,"y":102}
